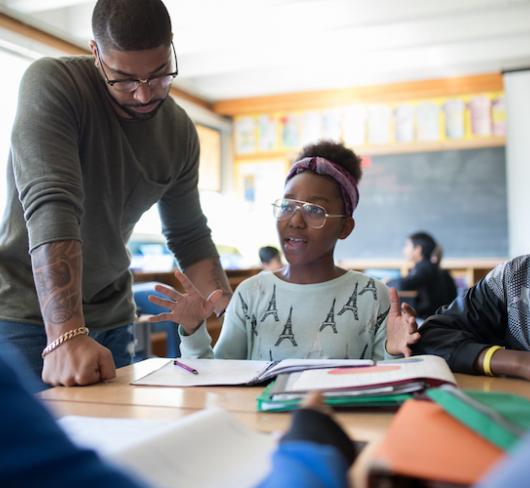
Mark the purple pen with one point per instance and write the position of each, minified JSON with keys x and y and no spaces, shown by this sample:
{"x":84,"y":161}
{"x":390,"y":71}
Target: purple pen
{"x":185,"y":366}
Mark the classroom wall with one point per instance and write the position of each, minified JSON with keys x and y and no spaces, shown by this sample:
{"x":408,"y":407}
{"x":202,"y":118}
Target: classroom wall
{"x":517,"y":90}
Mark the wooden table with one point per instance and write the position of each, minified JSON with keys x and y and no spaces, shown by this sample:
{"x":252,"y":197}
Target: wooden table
{"x":119,"y":399}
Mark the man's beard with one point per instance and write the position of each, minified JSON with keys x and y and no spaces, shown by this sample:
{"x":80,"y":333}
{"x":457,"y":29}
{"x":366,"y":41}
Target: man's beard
{"x":127,"y":108}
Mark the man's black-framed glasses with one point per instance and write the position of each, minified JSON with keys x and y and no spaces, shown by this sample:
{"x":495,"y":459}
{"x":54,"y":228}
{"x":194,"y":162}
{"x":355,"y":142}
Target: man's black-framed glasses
{"x":314,"y":215}
{"x":130,"y":85}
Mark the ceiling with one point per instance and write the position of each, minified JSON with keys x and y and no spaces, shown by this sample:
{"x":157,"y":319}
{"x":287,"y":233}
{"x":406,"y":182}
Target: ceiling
{"x":244,"y":48}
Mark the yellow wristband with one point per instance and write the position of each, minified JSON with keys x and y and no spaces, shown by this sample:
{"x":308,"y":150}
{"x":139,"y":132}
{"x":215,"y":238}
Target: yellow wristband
{"x":486,"y":363}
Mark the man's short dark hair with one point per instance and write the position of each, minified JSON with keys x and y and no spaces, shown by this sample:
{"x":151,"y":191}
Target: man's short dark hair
{"x":426,"y":243}
{"x":267,"y":253}
{"x":131,"y":25}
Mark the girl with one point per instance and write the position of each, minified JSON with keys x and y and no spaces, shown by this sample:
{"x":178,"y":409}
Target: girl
{"x":311,"y":308}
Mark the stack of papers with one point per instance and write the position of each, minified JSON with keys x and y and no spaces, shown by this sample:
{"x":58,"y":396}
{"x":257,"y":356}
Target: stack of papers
{"x":385,"y":384}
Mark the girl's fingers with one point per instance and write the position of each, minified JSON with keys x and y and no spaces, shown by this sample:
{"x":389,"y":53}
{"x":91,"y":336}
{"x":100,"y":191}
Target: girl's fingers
{"x":406,"y":351}
{"x":414,"y":338}
{"x":185,"y":282}
{"x":161,"y":301}
{"x":166,"y":290}
{"x":215,"y":296}
{"x":394,"y":301}
{"x":406,"y":308}
{"x":161,"y":317}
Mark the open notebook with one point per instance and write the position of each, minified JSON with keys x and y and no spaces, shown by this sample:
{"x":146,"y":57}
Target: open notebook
{"x":175,"y":454}
{"x":396,"y":375}
{"x":237,"y":371}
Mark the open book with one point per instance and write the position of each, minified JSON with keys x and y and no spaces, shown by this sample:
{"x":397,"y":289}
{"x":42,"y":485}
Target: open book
{"x":175,"y":454}
{"x":237,"y":371}
{"x":385,"y":384}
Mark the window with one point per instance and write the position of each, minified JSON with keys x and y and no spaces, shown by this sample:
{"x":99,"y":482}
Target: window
{"x":14,"y":66}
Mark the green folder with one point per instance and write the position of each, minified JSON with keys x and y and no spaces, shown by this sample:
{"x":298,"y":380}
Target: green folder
{"x":267,"y":404}
{"x":501,"y":418}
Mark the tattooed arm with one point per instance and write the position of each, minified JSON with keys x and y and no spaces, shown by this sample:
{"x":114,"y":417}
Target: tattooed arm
{"x":57,"y":269}
{"x":208,"y":275}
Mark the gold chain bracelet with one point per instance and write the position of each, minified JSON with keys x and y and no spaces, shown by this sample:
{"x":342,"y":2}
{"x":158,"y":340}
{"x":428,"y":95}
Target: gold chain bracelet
{"x":64,"y":338}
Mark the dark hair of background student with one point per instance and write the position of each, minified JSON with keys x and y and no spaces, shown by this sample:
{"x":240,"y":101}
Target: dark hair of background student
{"x":267,"y":253}
{"x":336,"y":153}
{"x":147,"y":24}
{"x":426,"y":243}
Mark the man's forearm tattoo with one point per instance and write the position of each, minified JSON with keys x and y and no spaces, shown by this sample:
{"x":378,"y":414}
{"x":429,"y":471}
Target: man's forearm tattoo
{"x":219,"y":277}
{"x":57,"y":274}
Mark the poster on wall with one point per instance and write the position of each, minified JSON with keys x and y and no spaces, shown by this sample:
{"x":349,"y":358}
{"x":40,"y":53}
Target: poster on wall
{"x":379,"y":117}
{"x":480,"y":112}
{"x":498,"y":116}
{"x":332,"y":125}
{"x":427,"y":122}
{"x":404,"y":123}
{"x":266,"y":133}
{"x":454,"y":118}
{"x":310,"y":127}
{"x":245,"y":135}
{"x":354,"y":125}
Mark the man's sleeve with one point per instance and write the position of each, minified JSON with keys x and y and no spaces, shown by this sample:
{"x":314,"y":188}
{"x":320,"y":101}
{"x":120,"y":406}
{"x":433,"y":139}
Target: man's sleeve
{"x":183,"y":222}
{"x":461,"y":330}
{"x":46,"y":154}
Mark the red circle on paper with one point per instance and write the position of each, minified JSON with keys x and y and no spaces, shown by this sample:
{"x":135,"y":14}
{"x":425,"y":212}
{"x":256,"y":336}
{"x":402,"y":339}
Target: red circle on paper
{"x":363,"y":370}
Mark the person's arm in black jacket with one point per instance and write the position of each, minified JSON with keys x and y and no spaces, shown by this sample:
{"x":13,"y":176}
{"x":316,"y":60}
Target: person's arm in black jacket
{"x":463,"y":331}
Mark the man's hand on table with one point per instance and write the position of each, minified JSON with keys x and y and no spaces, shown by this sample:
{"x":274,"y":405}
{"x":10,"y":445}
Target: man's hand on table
{"x":79,"y":361}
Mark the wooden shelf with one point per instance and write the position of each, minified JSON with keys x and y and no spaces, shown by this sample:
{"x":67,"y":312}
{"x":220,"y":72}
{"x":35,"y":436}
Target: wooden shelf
{"x":394,"y":92}
{"x":392,"y":148}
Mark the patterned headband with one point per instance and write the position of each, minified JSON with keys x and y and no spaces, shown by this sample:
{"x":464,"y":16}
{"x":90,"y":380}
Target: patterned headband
{"x":321,"y":166}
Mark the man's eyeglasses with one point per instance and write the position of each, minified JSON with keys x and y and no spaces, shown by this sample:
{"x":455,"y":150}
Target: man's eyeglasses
{"x":314,"y":215}
{"x":130,"y":85}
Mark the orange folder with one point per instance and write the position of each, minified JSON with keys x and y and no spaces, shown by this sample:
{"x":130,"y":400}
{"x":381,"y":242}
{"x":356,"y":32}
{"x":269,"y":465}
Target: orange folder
{"x":424,"y":442}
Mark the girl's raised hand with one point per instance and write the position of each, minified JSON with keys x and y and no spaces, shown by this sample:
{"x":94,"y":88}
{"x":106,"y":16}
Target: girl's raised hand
{"x":188,"y":309}
{"x":401,"y":326}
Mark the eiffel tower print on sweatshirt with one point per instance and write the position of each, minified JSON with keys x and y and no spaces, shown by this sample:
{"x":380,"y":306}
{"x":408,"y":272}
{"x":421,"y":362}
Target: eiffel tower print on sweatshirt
{"x":271,"y":308}
{"x":380,"y":319}
{"x":254,"y":325}
{"x":330,"y":319}
{"x":287,"y":331}
{"x":351,"y":304}
{"x":244,"y":306}
{"x":253,"y":321}
{"x":370,"y":287}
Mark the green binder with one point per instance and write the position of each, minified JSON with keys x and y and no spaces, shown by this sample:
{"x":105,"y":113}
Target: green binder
{"x":266,"y":404}
{"x":501,"y":418}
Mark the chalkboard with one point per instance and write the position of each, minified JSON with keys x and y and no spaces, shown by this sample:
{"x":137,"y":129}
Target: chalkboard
{"x":458,"y":196}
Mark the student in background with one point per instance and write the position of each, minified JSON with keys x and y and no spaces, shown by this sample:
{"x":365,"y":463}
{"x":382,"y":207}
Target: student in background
{"x":311,"y":308}
{"x":435,"y":286}
{"x":270,"y":258}
{"x":487,"y":330}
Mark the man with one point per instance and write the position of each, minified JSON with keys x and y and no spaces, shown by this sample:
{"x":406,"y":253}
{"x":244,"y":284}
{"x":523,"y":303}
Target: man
{"x":96,"y":142}
{"x":488,"y":329}
{"x":435,"y":287}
